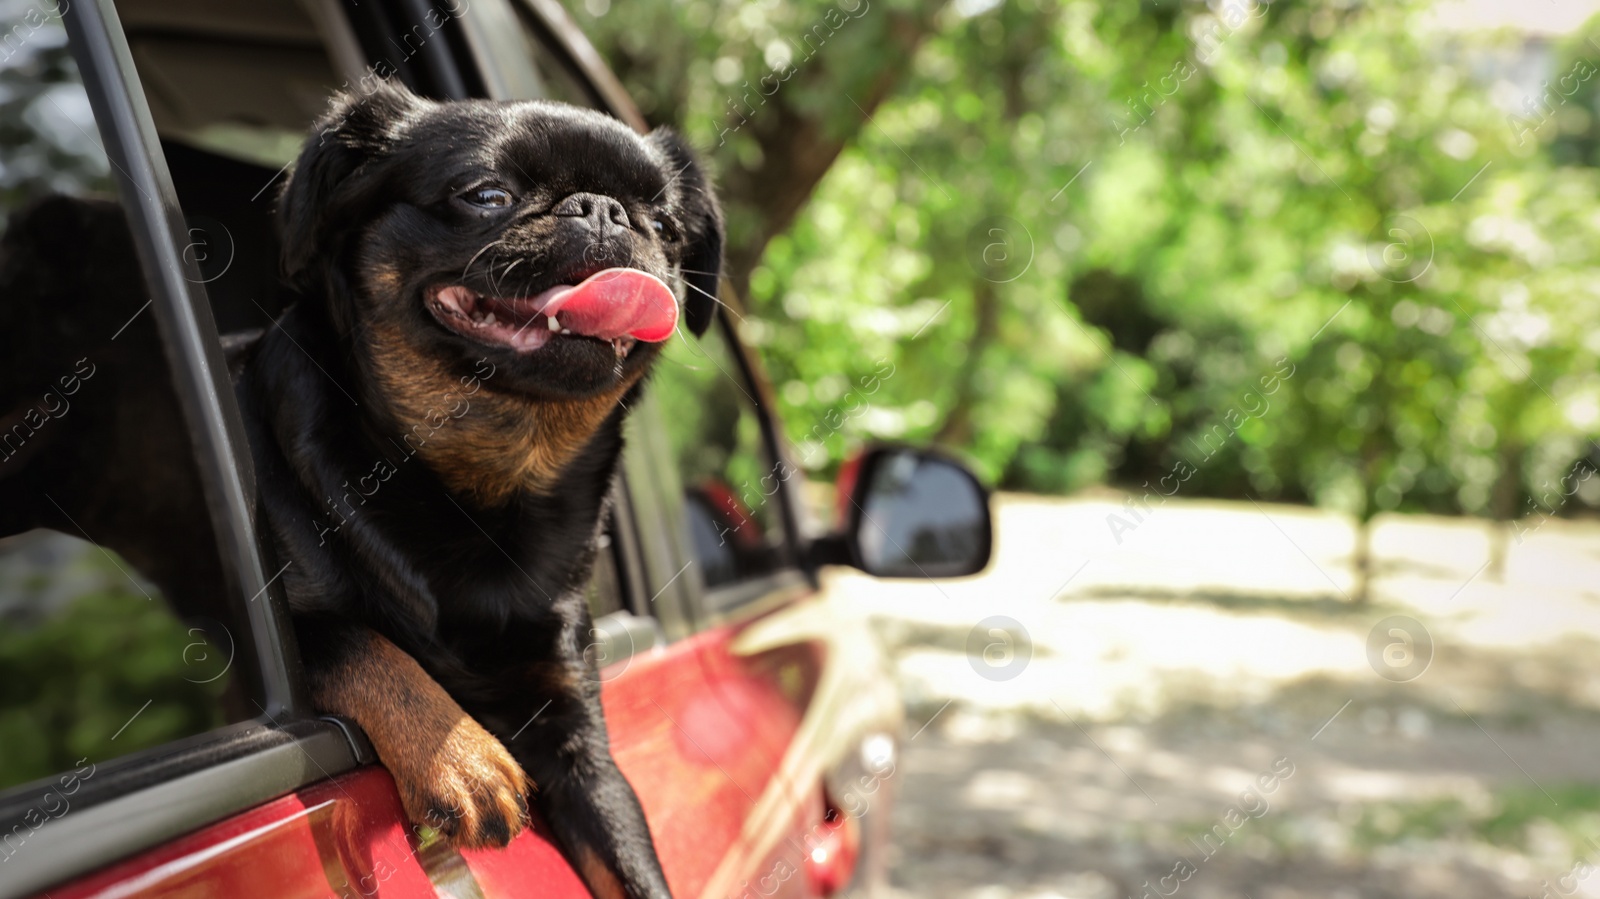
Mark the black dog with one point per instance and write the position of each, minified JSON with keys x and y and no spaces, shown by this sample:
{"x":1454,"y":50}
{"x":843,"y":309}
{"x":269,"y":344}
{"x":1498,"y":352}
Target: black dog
{"x":435,"y":457}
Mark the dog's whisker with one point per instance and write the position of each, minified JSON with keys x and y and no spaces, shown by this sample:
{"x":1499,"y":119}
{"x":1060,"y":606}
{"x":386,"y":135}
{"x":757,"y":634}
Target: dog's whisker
{"x":529,"y":321}
{"x":486,"y":248}
{"x":677,"y":331}
{"x":521,"y":329}
{"x":506,"y":273}
{"x":681,"y":363}
{"x":712,"y":297}
{"x":488,"y":271}
{"x":527,"y":283}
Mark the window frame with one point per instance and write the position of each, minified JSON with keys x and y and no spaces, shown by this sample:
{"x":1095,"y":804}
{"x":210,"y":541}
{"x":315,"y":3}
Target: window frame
{"x":790,"y":578}
{"x":188,"y":333}
{"x":140,"y":800}
{"x":649,"y":458}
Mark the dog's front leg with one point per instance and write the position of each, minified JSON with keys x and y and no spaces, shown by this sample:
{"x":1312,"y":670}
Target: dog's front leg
{"x":588,"y":804}
{"x":452,"y":774}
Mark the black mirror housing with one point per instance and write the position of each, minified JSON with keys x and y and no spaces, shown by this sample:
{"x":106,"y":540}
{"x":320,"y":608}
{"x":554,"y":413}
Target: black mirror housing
{"x":910,"y":513}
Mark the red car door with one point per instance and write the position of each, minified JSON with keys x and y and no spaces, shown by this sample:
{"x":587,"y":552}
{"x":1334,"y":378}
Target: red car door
{"x":727,"y":737}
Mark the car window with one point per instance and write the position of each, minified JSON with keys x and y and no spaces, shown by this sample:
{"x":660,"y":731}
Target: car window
{"x":233,"y":86}
{"x":731,"y":481}
{"x":242,"y":78}
{"x":117,"y":631}
{"x":555,"y":80}
{"x":605,"y":584}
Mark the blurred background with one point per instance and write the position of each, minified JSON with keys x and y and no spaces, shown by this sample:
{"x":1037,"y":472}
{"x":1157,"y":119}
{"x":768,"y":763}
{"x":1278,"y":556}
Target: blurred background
{"x":1275,"y":327}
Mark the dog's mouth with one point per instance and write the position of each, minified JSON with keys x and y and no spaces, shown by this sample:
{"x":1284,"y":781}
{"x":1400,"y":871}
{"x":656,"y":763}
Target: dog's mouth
{"x":621,"y":306}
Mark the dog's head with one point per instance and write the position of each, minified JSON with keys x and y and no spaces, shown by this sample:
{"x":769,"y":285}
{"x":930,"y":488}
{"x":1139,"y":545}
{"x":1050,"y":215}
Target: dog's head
{"x":452,"y":228}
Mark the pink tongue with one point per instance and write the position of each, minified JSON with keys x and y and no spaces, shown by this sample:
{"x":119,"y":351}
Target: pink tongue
{"x":618,"y":302}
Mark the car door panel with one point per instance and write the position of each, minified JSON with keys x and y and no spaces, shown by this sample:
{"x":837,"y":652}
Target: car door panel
{"x":701,"y":733}
{"x":705,"y":732}
{"x":338,"y":837}
{"x":785,"y":840}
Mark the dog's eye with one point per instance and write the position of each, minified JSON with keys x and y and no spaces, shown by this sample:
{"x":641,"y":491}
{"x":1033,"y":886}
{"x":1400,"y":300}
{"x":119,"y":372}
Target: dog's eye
{"x":488,"y":197}
{"x":659,"y":225}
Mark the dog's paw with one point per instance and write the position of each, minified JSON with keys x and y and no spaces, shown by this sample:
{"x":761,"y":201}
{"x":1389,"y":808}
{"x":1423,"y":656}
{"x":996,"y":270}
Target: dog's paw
{"x":468,"y":787}
{"x":453,"y":775}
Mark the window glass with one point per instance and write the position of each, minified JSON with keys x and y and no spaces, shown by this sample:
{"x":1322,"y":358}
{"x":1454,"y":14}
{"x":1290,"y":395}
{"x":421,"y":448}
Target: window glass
{"x":233,"y":87}
{"x":731,"y":481}
{"x":116,"y":630}
{"x":556,"y":81}
{"x":242,"y":78}
{"x":605,"y":585}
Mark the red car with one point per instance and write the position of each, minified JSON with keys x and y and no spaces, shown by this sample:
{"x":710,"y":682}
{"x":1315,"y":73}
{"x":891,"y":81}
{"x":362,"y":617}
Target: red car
{"x":147,"y":754}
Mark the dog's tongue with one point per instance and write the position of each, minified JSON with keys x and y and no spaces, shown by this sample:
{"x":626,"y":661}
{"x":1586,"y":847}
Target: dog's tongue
{"x":618,"y":302}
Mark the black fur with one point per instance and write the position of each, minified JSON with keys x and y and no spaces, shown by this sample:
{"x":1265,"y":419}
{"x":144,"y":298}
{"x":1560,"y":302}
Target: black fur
{"x":487,"y":596}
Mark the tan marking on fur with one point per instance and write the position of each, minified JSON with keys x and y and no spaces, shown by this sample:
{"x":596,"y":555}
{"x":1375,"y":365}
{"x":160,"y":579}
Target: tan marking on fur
{"x":601,"y":880}
{"x":383,"y":280}
{"x":452,"y":774}
{"x":558,"y":678}
{"x":502,"y":444}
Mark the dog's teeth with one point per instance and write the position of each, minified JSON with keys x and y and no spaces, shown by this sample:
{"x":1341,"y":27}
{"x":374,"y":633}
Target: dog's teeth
{"x":554,"y":325}
{"x":488,"y":319}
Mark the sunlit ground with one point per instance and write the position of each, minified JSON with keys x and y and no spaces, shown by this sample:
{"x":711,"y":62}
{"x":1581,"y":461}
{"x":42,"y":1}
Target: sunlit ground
{"x":1170,"y":671}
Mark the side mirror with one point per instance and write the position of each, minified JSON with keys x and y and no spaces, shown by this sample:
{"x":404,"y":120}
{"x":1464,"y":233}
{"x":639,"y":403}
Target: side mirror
{"x":909,"y":513}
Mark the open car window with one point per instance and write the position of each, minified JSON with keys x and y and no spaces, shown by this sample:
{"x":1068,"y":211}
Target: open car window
{"x":733,"y":484}
{"x":118,"y":630}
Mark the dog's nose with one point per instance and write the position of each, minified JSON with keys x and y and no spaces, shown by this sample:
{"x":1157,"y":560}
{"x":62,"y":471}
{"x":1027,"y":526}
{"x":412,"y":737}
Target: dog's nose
{"x":599,"y":211}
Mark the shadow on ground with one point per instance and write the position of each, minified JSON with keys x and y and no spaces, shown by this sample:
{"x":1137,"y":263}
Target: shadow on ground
{"x":1168,"y":677}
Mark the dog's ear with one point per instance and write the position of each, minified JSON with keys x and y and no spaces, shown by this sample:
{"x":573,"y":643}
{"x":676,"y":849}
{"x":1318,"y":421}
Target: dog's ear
{"x":702,"y":220}
{"x":318,"y":202}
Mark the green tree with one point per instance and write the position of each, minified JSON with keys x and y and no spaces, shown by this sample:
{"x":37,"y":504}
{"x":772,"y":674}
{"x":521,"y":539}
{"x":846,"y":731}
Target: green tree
{"x":1204,"y":196}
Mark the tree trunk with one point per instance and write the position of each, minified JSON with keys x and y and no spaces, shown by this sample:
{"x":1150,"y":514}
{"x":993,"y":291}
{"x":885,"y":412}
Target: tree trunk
{"x":799,"y":141}
{"x":957,"y":429}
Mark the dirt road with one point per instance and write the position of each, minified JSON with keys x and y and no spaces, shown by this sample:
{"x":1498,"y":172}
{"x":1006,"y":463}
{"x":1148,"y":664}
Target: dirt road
{"x":1102,"y":713}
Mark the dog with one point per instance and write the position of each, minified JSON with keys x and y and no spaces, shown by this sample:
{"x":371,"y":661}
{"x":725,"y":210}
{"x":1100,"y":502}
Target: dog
{"x":436,"y":427}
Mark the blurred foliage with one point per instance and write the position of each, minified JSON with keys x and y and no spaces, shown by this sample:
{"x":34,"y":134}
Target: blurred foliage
{"x":1200,"y":191}
{"x":48,"y":142}
{"x":83,"y":654}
